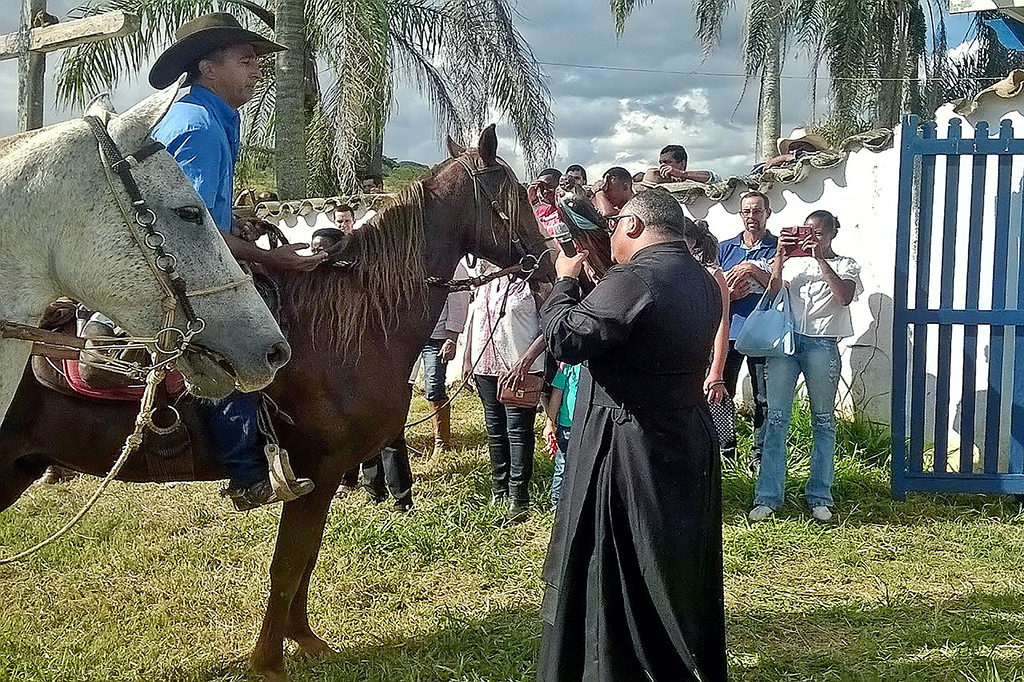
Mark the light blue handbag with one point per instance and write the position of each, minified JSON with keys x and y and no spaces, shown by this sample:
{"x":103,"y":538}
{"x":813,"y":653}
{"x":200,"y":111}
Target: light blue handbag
{"x":768,"y":330}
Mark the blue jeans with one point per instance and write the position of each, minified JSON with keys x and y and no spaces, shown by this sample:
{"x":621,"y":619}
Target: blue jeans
{"x":237,"y":441}
{"x":434,"y":371}
{"x":817,"y":358}
{"x":562,"y":438}
{"x":510,"y":441}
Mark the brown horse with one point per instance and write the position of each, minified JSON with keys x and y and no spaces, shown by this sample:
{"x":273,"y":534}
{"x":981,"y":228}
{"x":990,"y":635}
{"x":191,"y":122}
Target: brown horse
{"x":355,"y":335}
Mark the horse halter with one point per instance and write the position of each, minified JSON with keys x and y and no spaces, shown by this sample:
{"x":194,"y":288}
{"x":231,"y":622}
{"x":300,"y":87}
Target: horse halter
{"x":527,"y":261}
{"x":142,"y":226}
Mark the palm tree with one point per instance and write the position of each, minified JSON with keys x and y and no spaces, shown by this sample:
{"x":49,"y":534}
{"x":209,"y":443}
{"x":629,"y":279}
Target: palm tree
{"x":887,"y":57}
{"x":985,"y":62}
{"x":467,"y":56}
{"x":766,"y":25}
{"x":884,"y":57}
{"x":290,"y":120}
{"x":875,"y":51}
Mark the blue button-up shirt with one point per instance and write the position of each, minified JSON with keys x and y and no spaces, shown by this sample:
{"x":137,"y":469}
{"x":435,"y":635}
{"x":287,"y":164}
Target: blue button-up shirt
{"x":202,"y":132}
{"x":731,"y":253}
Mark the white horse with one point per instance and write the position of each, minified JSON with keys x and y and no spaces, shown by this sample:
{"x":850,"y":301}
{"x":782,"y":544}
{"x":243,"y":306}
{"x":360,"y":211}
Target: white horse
{"x":62,"y":233}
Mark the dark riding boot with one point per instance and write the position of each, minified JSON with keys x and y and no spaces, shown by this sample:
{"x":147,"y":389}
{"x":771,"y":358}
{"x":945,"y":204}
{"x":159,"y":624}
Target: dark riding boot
{"x":262,"y":493}
{"x":442,"y":426}
{"x":57,"y":474}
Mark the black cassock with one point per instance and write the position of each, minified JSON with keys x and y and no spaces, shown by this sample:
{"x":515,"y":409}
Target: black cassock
{"x":634,"y":569}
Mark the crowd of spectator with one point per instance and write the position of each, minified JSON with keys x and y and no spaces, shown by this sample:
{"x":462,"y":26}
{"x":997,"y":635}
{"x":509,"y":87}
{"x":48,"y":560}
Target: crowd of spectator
{"x":504,"y":344}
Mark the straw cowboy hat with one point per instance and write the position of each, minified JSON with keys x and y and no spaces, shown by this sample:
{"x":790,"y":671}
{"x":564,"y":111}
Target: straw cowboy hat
{"x":198,"y":38}
{"x":801,"y":135}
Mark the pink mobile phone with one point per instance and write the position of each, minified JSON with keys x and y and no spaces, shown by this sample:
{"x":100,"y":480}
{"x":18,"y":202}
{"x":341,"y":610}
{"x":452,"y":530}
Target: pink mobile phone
{"x":801,"y":232}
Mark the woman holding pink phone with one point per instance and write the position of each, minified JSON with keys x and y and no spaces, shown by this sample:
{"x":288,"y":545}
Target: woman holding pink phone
{"x":821,"y":286}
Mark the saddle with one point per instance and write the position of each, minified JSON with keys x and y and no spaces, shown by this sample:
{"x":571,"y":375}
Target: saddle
{"x":69,"y":377}
{"x":166,"y":445}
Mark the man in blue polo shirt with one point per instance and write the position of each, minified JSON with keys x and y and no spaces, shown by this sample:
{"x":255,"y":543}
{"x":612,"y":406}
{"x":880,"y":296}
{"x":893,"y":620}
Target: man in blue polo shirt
{"x":738,"y":257}
{"x":202,"y":132}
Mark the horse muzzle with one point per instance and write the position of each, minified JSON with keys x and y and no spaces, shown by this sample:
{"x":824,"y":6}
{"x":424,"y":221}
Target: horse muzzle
{"x":213,"y":373}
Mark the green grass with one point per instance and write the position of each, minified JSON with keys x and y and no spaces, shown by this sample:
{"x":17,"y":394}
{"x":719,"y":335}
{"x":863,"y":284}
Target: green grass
{"x":164,"y":583}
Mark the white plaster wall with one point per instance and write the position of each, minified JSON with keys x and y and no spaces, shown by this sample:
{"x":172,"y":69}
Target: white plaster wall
{"x":863,"y":193}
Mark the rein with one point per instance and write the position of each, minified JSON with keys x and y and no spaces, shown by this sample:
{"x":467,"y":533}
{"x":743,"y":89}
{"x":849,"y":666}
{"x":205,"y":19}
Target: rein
{"x":524,"y":268}
{"x":143,"y":421}
{"x":170,"y":342}
{"x":527,"y":265}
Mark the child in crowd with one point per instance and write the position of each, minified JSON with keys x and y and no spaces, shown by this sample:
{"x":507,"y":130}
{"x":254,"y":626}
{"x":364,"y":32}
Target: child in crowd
{"x":559,"y":411}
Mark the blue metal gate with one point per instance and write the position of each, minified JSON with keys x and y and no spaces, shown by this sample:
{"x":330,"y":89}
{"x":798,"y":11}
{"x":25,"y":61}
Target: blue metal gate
{"x":958,"y":327}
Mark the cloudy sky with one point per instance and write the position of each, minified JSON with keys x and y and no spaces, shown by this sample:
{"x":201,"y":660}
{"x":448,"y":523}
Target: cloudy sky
{"x":604,"y":116}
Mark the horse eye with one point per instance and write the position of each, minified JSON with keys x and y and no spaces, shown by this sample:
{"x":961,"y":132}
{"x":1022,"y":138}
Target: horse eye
{"x":190,"y":214}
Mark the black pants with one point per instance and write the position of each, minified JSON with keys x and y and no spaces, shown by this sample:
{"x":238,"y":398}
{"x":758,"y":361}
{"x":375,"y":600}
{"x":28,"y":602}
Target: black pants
{"x":510,"y":441}
{"x":755,"y":366}
{"x":390,"y":468}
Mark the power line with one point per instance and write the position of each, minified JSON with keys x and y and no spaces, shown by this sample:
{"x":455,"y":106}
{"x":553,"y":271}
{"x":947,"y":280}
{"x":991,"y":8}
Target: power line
{"x":718,"y":74}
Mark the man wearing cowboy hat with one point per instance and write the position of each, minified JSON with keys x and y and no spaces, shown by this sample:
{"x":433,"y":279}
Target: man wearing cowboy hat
{"x":799,"y":144}
{"x":202,"y":131}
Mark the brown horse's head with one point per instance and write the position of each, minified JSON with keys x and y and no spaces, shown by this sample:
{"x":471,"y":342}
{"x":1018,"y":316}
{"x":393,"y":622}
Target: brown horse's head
{"x":498,"y":224}
{"x":471,"y":203}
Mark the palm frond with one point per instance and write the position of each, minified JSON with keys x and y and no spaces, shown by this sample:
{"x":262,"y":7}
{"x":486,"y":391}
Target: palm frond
{"x":621,"y":9}
{"x":448,"y":111}
{"x":87,"y":70}
{"x":709,"y":16}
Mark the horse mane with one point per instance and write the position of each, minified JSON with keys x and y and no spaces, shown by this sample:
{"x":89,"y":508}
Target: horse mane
{"x":337,"y":304}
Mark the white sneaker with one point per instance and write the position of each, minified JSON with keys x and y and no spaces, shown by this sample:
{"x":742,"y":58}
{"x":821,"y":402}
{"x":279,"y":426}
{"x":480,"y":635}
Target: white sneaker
{"x":821,"y":514}
{"x":760,"y":513}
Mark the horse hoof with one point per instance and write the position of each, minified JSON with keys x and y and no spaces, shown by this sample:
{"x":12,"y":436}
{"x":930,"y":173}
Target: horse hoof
{"x":55,"y":474}
{"x":313,"y":647}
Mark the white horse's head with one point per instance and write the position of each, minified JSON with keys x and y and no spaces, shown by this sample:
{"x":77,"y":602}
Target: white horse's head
{"x":99,"y":262}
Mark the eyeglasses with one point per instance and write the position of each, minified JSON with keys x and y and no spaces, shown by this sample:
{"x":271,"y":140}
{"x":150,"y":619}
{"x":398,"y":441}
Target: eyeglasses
{"x":613,"y":220}
{"x":752,"y":211}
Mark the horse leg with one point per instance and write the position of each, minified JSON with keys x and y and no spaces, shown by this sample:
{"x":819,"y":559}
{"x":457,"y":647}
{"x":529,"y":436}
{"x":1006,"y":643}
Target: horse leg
{"x":298,"y":541}
{"x":297,"y":628}
{"x":16,"y":477}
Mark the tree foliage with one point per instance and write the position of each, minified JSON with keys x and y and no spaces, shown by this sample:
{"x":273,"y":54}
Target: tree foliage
{"x":882,"y":57}
{"x":466,"y":56}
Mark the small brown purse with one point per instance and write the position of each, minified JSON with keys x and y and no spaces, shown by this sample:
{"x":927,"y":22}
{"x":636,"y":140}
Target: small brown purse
{"x":525,"y":394}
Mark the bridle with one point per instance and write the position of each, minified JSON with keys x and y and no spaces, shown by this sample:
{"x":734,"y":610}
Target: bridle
{"x":528,"y":263}
{"x":170,"y":342}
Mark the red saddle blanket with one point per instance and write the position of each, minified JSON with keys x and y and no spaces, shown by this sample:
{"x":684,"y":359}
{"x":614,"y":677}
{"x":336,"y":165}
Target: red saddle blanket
{"x":174,"y":382}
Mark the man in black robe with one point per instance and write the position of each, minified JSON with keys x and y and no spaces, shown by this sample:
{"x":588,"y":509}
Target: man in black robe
{"x":634,"y":569}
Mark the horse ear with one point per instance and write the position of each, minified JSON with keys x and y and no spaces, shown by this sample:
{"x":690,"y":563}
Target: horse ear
{"x":135,"y":124}
{"x":101,"y":107}
{"x":487,"y":147}
{"x":455,"y":149}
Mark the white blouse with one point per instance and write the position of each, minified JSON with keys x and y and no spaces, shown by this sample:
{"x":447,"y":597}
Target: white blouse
{"x":500,"y":343}
{"x":816,"y":310}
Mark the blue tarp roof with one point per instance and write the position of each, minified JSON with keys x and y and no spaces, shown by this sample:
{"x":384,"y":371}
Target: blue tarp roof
{"x":1009,"y":31}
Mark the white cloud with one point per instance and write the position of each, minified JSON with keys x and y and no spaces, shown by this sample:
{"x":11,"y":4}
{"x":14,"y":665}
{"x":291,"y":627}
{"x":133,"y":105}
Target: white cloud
{"x":603,"y":117}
